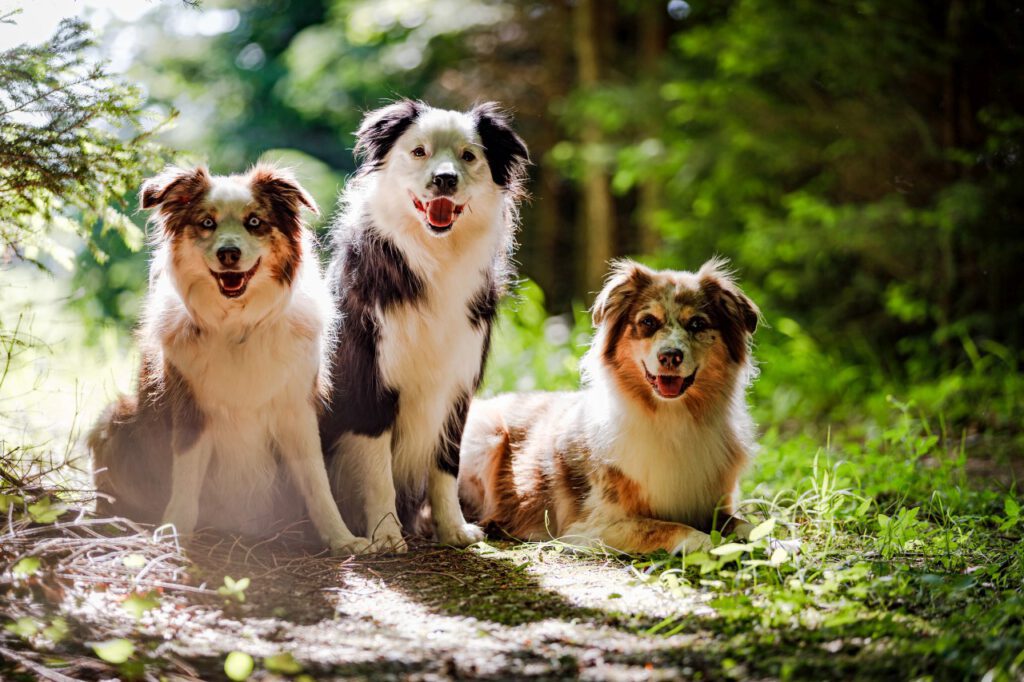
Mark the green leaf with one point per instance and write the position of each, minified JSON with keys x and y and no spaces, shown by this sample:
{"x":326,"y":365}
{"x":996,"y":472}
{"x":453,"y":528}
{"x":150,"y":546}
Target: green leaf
{"x":114,"y":651}
{"x":778,"y":557}
{"x":26,"y":567}
{"x":134,"y":561}
{"x":1011,"y":507}
{"x":233,"y":588}
{"x":45,"y":511}
{"x":24,"y":627}
{"x":57,"y":630}
{"x":762,"y":530}
{"x":283,"y":663}
{"x":238,"y":665}
{"x":138,"y":604}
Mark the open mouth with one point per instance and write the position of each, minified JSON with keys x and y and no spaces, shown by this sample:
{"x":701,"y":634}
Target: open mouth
{"x":670,"y":385}
{"x":232,"y":283}
{"x":440,"y":213}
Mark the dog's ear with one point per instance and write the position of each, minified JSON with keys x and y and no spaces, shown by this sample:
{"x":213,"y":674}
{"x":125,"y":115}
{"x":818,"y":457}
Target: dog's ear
{"x":281,"y":188}
{"x":506,"y":152}
{"x":734,"y":313}
{"x":624,"y":283}
{"x":382,"y":127}
{"x":174,"y":186}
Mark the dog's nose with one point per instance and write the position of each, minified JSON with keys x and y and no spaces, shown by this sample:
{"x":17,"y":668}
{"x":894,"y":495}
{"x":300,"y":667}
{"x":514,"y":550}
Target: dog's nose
{"x":446,"y":182}
{"x":670,"y":358}
{"x":229,"y":256}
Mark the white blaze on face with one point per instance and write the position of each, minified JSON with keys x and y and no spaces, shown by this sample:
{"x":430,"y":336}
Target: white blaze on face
{"x":230,"y":201}
{"x":440,"y":144}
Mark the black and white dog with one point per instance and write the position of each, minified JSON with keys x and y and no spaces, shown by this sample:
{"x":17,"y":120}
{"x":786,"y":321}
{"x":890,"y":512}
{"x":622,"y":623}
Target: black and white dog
{"x":422,"y":249}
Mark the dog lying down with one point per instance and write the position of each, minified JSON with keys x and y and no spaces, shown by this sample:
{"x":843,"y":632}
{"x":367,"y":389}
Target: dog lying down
{"x":238,"y":318}
{"x":648,"y":455}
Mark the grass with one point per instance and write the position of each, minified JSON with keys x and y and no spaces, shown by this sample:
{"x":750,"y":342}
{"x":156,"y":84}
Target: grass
{"x":910,"y":561}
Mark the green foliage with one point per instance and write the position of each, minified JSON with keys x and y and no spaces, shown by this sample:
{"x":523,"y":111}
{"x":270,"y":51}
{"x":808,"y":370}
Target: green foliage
{"x":73,"y":142}
{"x":238,"y":665}
{"x":233,"y":589}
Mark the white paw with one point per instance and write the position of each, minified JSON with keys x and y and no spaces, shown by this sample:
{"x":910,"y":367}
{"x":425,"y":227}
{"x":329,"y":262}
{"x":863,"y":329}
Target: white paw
{"x":389,"y":542}
{"x":460,"y":536}
{"x":183,"y":520}
{"x":694,"y":541}
{"x":387,"y":536}
{"x":348,"y":545}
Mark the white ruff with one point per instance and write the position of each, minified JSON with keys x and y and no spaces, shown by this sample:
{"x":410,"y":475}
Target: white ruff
{"x":676,"y":460}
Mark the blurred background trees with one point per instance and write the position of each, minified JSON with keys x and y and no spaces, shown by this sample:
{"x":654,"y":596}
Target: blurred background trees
{"x":859,"y":162}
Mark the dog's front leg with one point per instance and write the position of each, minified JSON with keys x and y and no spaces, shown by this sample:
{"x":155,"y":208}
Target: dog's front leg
{"x":369,"y":461}
{"x":192,"y":450}
{"x":299,"y":441}
{"x":443,"y":488}
{"x":641,"y":535}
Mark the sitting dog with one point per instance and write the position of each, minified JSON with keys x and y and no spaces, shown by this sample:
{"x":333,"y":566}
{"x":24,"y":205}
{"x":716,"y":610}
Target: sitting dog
{"x":233,"y":339}
{"x":422,"y":250}
{"x":648,"y":455}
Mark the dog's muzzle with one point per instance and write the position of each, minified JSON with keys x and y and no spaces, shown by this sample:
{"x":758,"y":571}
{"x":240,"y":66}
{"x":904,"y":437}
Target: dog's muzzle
{"x":233,"y":283}
{"x":670,"y":385}
{"x":440,"y":213}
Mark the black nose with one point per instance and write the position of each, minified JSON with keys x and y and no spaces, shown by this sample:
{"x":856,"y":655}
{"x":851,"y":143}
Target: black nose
{"x":229,"y":256}
{"x":446,"y":182}
{"x":670,"y":358}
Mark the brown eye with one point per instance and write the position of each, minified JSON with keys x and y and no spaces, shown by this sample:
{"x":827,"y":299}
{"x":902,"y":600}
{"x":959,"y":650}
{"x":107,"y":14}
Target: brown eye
{"x":468,"y":156}
{"x":208,"y":223}
{"x":253,"y":222}
{"x":419,"y":152}
{"x":650,"y":323}
{"x":697,"y":325}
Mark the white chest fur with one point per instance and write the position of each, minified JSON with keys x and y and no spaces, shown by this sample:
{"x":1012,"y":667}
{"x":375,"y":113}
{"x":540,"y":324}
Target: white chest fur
{"x":248,"y":381}
{"x":430,"y":352}
{"x":677,"y":462}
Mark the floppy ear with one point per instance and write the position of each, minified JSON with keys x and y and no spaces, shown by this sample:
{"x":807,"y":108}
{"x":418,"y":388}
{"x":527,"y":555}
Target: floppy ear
{"x":281,"y":188}
{"x":625,"y":281}
{"x":174,"y":186}
{"x":735,"y":314}
{"x":506,"y":152}
{"x":382,"y":127}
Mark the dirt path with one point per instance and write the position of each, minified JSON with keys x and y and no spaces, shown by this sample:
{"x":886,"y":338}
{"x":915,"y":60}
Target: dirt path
{"x":437,"y":612}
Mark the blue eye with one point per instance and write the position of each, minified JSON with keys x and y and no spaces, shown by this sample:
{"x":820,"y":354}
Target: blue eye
{"x":208,"y":223}
{"x":697,"y":325}
{"x":253,"y":221}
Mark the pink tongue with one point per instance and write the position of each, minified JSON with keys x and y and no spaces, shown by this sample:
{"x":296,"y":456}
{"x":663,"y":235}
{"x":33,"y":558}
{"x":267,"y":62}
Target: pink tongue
{"x":439,"y":212}
{"x":669,"y":386}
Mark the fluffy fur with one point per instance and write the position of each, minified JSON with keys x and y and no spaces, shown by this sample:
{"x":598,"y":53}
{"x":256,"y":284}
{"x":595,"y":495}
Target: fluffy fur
{"x":648,"y":455}
{"x":422,"y":250}
{"x":223,"y":429}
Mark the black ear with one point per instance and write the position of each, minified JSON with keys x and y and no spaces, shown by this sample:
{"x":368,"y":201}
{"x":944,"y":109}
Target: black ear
{"x":505,"y":151}
{"x":382,"y":127}
{"x":174,"y":185}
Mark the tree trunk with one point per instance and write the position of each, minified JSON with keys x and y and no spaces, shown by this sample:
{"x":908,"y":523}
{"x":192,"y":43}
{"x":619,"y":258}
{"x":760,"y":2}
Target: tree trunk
{"x":650,"y":16}
{"x":598,"y":216}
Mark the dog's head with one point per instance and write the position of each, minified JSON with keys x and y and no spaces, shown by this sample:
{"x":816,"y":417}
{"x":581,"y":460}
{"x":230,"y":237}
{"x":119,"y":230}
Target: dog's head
{"x":668,"y":336}
{"x":228,"y":235}
{"x":442,"y":163}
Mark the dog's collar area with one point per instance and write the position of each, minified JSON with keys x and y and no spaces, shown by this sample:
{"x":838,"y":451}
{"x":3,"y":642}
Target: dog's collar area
{"x":233,"y":283}
{"x":439,"y":213}
{"x":669,"y":385}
